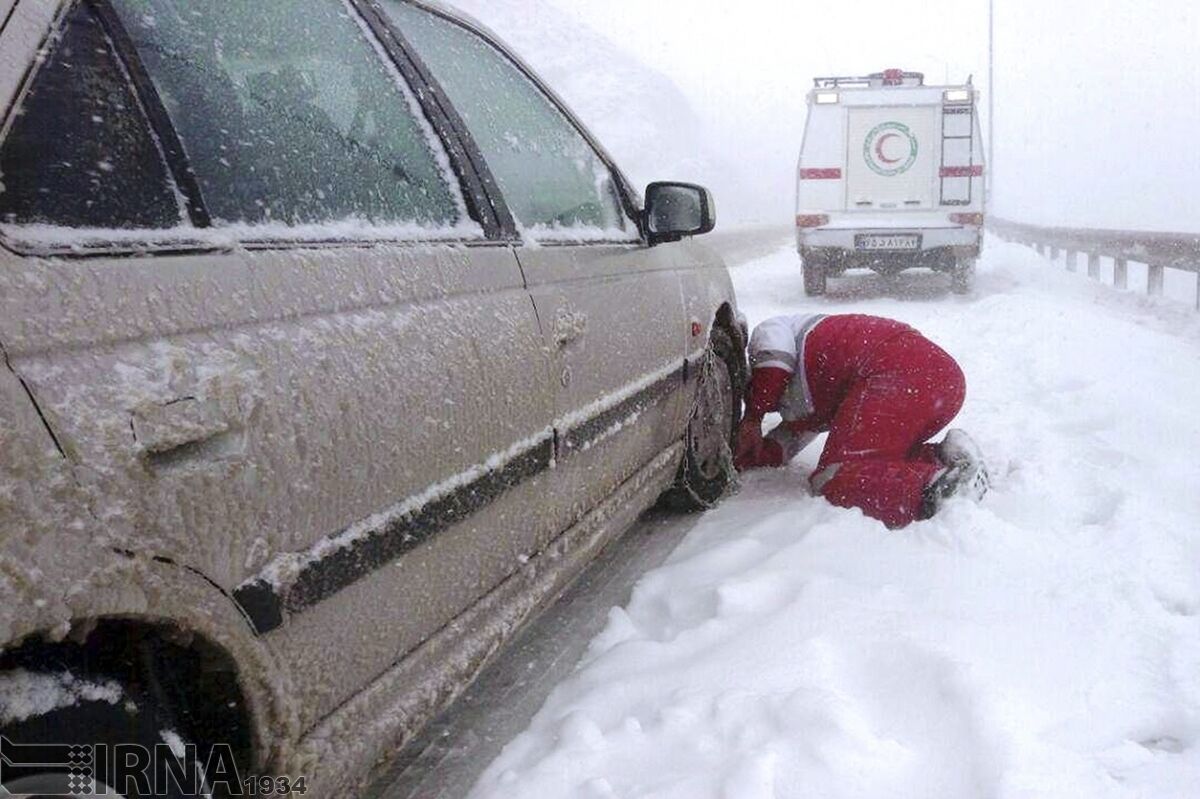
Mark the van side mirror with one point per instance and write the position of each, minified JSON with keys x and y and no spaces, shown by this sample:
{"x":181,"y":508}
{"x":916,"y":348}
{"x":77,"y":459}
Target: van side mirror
{"x":676,"y":210}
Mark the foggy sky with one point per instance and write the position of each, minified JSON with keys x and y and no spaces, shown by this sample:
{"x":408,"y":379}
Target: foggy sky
{"x":1098,"y":101}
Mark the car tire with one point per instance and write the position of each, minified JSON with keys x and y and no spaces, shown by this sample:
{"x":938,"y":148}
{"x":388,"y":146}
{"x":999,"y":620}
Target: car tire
{"x":815,"y":278}
{"x":707,"y":473}
{"x":962,"y":276}
{"x":129,"y":720}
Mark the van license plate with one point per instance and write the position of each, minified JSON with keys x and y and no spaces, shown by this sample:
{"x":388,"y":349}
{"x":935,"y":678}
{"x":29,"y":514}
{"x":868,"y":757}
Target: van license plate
{"x":875,"y":241}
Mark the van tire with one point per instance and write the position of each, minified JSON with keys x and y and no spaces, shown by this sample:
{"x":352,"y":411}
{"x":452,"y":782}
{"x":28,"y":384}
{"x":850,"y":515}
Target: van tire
{"x":962,"y":276}
{"x":707,"y":472}
{"x":815,"y":278}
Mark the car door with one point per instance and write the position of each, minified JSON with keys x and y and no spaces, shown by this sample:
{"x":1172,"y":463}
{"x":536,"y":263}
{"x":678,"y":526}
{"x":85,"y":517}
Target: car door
{"x":276,"y":340}
{"x":611,"y":308}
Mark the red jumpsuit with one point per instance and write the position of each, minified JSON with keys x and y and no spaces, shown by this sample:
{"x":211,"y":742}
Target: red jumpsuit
{"x":879,"y":387}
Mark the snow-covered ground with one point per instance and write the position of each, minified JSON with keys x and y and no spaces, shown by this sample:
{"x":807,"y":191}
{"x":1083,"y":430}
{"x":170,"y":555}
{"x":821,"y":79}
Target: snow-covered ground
{"x":1043,"y":644}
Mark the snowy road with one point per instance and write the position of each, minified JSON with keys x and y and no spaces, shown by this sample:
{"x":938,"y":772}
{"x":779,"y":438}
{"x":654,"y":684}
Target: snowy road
{"x":1043,"y":644}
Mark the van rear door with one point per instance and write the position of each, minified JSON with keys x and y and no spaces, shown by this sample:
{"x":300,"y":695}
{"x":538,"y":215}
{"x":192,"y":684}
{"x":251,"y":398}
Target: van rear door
{"x":893,"y":156}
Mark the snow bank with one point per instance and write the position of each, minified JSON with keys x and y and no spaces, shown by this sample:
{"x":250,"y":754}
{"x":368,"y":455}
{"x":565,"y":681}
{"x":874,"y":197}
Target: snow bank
{"x":1043,"y":644}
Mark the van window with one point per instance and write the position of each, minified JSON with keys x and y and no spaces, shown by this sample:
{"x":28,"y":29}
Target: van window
{"x":553,"y":181}
{"x":291,"y":116}
{"x":79,"y":152}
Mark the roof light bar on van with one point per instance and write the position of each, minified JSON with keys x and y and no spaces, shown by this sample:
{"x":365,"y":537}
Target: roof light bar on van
{"x":828,"y":98}
{"x":896,"y":76}
{"x":957,"y":96}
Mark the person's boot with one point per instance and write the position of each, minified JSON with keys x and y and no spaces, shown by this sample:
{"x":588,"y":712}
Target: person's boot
{"x":965,"y":474}
{"x":958,"y":447}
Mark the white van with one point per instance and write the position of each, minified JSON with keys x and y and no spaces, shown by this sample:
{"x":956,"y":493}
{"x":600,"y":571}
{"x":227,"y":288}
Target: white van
{"x":890,"y":178}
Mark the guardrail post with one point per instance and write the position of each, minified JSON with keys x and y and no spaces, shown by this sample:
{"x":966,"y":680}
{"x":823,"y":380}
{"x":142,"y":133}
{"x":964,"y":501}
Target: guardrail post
{"x":1121,"y":273}
{"x":1154,"y":280}
{"x":1178,"y":251}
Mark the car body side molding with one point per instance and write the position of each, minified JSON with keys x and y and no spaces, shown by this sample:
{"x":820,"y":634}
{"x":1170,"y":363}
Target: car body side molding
{"x":268,"y":600}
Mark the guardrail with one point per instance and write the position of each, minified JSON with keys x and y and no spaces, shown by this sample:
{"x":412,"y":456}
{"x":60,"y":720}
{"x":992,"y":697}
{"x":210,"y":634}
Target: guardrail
{"x":1158,"y":251}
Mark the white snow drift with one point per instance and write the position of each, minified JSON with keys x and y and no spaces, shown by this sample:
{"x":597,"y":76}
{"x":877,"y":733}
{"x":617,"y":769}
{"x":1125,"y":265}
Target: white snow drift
{"x":1043,"y":644}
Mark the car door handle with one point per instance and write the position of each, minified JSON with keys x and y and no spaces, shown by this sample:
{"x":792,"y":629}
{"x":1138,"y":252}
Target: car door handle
{"x":174,"y":427}
{"x":569,"y":326}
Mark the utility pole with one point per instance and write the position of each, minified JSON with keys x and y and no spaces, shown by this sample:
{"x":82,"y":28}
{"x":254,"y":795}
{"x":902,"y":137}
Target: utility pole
{"x":991,"y":139}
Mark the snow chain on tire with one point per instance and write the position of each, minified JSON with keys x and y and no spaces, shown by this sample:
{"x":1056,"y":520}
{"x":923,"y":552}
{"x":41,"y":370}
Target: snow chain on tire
{"x":686,"y":495}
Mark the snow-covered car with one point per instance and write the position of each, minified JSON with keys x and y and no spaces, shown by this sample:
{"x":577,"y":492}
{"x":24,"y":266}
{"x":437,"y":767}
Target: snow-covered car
{"x":891,"y":177}
{"x":334,"y":346}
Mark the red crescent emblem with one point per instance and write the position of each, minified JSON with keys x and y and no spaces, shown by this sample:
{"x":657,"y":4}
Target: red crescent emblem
{"x":879,"y":148}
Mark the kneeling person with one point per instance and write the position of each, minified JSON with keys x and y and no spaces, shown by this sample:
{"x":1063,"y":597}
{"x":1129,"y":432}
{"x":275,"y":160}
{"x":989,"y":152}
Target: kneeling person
{"x":881,"y":390}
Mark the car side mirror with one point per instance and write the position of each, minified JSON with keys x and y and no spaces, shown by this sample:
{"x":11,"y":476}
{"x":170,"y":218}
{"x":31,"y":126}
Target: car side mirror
{"x":676,"y":210}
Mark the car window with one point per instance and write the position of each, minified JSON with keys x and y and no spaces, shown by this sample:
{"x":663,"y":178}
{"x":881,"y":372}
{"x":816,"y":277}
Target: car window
{"x":553,"y":181}
{"x":290,"y":115}
{"x":79,"y":152}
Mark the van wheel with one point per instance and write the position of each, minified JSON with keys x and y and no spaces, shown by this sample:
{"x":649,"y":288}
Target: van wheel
{"x":707,"y":472}
{"x":815,"y":278}
{"x":90,"y":721}
{"x":962,"y":276}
